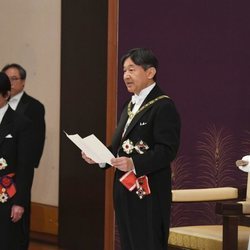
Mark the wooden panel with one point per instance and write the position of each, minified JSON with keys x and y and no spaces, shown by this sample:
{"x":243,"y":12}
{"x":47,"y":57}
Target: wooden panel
{"x":109,"y":227}
{"x":83,"y":111}
{"x":44,"y":218}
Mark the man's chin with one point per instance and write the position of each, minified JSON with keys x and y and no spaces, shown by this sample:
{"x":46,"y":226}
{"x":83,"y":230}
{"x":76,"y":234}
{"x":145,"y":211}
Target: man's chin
{"x":130,"y":90}
{"x":12,"y":93}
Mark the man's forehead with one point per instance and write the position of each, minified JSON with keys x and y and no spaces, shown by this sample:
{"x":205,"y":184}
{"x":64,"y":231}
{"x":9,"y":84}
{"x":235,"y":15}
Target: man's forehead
{"x":12,"y":70}
{"x":129,"y":63}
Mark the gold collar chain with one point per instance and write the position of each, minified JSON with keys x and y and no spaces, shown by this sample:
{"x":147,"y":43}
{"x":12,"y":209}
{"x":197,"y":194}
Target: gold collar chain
{"x":131,"y":114}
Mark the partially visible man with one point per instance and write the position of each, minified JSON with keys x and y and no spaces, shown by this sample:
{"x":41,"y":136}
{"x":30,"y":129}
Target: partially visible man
{"x":27,"y":105}
{"x":35,"y":111}
{"x":16,"y":169}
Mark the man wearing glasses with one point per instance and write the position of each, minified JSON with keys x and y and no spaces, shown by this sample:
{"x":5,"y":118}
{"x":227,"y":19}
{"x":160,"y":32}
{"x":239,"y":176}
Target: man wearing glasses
{"x":35,"y":111}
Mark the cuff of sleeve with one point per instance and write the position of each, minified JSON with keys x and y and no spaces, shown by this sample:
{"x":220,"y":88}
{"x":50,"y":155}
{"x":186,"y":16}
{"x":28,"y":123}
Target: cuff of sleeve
{"x":102,"y":165}
{"x":133,"y":165}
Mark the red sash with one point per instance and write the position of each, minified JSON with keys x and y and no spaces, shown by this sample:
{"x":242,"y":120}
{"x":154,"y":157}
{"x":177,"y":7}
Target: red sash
{"x":7,"y":187}
{"x":130,"y":181}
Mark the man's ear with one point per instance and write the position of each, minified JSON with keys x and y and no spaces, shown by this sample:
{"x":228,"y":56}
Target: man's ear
{"x":151,"y":72}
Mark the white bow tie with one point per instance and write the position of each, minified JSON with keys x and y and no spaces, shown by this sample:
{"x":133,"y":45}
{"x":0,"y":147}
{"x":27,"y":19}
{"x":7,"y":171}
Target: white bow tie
{"x":136,"y":99}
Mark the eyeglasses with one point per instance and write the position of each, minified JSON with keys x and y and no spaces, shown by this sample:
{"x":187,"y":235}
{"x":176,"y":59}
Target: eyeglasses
{"x":14,"y":79}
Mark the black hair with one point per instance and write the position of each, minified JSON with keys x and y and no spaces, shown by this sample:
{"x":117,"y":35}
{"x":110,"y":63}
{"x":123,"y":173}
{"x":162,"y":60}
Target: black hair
{"x":22,"y":71}
{"x":5,"y":85}
{"x":142,"y":57}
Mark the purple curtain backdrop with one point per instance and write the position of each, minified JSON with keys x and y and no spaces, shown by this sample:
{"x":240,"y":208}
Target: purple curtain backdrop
{"x":204,"y":52}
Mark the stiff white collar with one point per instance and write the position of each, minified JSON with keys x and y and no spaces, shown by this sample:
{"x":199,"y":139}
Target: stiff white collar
{"x":13,"y":102}
{"x":138,"y":99}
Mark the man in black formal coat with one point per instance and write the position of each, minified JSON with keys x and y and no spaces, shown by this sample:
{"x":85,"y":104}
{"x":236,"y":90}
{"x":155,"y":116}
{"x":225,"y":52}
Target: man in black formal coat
{"x":27,"y":105}
{"x":16,"y":169}
{"x":146,"y":141}
{"x":35,"y":111}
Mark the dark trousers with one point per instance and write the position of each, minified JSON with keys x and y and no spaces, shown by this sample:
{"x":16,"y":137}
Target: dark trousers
{"x":25,"y":235}
{"x":10,"y":233}
{"x":141,"y":223}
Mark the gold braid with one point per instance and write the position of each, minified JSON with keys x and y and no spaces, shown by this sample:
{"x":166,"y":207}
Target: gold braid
{"x":130,"y":113}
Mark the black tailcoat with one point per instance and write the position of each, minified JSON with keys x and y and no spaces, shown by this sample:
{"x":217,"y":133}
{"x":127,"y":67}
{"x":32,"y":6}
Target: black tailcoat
{"x":35,"y":111}
{"x":16,"y":142}
{"x":144,"y":223}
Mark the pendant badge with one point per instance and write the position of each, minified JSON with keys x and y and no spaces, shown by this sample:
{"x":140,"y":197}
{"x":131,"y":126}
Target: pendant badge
{"x":140,"y":192}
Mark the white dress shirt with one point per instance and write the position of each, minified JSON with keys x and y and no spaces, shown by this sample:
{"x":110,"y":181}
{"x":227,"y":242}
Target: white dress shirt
{"x":139,"y":99}
{"x":2,"y":112}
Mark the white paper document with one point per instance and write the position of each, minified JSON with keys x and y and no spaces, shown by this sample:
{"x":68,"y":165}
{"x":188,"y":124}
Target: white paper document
{"x":92,"y":147}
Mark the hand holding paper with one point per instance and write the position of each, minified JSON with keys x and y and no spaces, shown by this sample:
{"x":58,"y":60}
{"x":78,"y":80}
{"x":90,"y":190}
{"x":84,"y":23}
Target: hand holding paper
{"x":92,"y":147}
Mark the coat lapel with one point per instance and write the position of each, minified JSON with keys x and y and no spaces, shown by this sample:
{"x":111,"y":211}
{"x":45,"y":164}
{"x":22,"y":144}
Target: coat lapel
{"x":119,"y":130}
{"x":5,"y":124}
{"x":23,"y":104}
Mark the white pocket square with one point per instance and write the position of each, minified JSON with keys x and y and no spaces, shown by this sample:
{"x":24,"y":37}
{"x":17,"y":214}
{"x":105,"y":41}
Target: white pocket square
{"x":143,"y":123}
{"x":8,"y":136}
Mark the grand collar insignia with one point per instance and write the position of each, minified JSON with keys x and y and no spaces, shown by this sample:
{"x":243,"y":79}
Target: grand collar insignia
{"x":3,"y":163}
{"x":140,"y":147}
{"x":131,"y":114}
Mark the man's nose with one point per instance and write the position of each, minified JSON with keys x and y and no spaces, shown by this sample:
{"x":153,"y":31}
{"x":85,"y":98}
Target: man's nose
{"x":126,"y":75}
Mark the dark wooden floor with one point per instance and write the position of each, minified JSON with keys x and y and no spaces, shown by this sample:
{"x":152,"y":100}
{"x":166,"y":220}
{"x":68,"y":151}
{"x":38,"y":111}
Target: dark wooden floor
{"x":35,"y":245}
{"x":42,"y":241}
